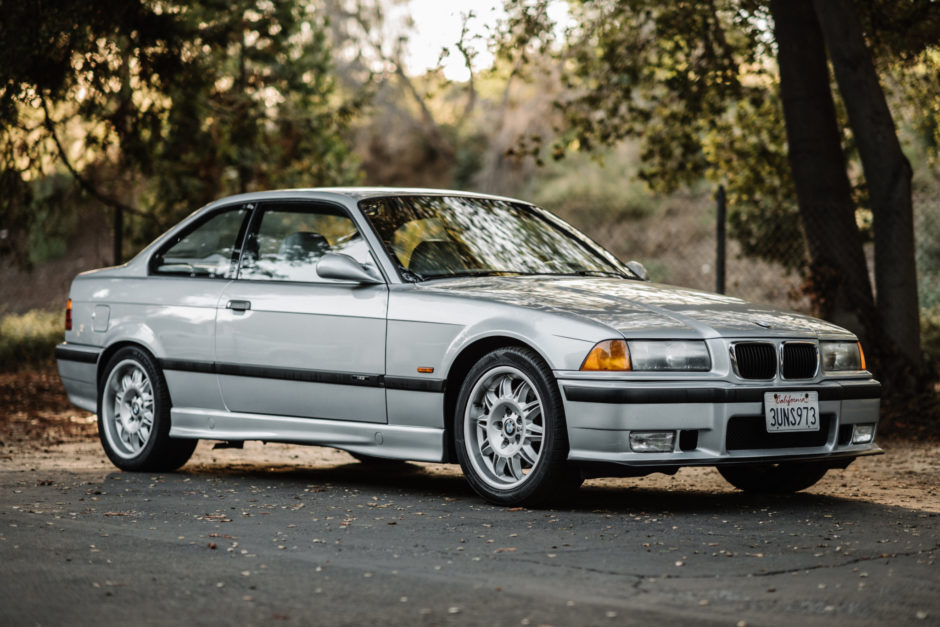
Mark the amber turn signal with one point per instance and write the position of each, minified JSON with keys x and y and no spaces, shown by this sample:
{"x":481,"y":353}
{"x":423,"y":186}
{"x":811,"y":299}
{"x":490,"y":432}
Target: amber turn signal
{"x":68,"y":315}
{"x":608,"y":355}
{"x":861,"y":355}
{"x":425,"y":369}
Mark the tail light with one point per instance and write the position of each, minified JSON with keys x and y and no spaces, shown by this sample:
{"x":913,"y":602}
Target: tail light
{"x":68,"y":315}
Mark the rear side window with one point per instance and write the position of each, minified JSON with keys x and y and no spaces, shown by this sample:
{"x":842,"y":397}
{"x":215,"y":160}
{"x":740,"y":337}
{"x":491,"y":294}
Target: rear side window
{"x":206,"y":250}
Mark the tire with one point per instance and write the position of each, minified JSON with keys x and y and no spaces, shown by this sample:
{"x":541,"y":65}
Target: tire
{"x":510,"y":433}
{"x":134,"y":415}
{"x":782,"y":478}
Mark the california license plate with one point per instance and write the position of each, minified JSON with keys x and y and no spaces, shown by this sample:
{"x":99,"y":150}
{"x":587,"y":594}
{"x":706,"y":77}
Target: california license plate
{"x":791,"y":411}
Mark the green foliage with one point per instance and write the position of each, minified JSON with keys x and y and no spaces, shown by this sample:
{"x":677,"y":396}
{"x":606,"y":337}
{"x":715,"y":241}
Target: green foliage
{"x":930,"y":339}
{"x":697,"y":84}
{"x":29,"y":339}
{"x":578,"y":187}
{"x":468,"y":159}
{"x":38,"y":218}
{"x":749,"y":153}
{"x":666,"y":72}
{"x":927,"y":254}
{"x":52,"y":217}
{"x":172,"y":104}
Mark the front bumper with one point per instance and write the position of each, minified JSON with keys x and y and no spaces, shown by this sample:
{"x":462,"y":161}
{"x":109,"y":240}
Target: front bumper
{"x":714,"y":422}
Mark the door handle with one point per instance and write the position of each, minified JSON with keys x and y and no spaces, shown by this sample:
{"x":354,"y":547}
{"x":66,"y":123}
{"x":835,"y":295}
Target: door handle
{"x":238,"y":305}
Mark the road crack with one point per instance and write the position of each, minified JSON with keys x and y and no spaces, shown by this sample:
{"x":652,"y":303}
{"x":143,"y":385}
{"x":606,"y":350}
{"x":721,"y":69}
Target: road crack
{"x":857,"y":560}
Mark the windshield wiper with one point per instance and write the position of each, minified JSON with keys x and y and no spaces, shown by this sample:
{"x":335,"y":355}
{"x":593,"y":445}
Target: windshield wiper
{"x":601,"y":273}
{"x":612,"y":273}
{"x":472,"y":273}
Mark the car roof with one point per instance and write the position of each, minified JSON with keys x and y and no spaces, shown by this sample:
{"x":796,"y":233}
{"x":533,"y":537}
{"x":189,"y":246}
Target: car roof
{"x":352,"y":193}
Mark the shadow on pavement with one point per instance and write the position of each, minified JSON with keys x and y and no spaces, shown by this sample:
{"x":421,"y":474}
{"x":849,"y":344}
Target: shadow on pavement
{"x":619,"y":496}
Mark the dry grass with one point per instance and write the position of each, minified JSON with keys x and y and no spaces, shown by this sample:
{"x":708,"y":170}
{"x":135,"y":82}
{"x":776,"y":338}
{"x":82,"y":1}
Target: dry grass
{"x":28,"y":340}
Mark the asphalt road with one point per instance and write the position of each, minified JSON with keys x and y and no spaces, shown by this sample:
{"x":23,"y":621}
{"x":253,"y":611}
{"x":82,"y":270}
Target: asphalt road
{"x":344,"y":543}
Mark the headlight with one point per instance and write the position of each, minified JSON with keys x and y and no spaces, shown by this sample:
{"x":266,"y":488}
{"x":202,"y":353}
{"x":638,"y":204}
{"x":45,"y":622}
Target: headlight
{"x":647,"y":355}
{"x":669,"y":355}
{"x":838,"y":356}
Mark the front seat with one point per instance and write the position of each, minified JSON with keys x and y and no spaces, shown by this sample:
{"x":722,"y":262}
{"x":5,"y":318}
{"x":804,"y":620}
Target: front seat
{"x":303,"y":246}
{"x":434,"y":256}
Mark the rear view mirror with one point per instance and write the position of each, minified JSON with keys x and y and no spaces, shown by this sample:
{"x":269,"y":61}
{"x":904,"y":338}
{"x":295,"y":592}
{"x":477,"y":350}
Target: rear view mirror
{"x":638,"y":269}
{"x":345,"y":268}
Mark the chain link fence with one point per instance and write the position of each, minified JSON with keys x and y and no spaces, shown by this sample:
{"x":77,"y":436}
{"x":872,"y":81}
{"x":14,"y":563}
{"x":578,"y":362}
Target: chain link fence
{"x":927,"y":252}
{"x":927,"y":256}
{"x":678,"y":245}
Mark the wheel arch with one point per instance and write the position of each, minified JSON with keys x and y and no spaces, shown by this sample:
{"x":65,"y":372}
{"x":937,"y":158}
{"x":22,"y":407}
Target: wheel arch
{"x":461,"y":365}
{"x":110,"y":351}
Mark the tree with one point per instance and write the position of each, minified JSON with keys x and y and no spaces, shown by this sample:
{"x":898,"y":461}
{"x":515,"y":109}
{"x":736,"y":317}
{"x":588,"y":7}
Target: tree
{"x":710,"y":86}
{"x":817,"y":162}
{"x":156,"y":108}
{"x":888,"y":174}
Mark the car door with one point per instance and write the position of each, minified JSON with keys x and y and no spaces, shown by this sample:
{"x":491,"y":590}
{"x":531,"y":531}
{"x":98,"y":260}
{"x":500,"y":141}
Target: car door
{"x":291,"y":343}
{"x":174,"y":308}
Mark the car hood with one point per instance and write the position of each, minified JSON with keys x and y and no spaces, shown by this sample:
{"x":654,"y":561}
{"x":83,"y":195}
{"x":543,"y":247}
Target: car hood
{"x":637,"y":308}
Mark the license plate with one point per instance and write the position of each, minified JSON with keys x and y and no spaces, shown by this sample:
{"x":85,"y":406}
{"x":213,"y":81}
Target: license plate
{"x":791,"y":411}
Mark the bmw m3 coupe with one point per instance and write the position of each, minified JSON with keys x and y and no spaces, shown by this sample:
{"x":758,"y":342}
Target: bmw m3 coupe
{"x":444,"y":326}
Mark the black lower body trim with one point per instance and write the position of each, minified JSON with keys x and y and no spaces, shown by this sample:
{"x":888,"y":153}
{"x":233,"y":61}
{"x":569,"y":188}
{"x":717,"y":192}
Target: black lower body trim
{"x":64,"y":352}
{"x":206,"y":367}
{"x":307,"y":376}
{"x":414,"y":385}
{"x":662,"y":395}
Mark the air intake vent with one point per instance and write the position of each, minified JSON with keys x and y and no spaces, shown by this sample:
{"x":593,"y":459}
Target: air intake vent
{"x":799,"y":360}
{"x":755,"y":360}
{"x":750,"y":433}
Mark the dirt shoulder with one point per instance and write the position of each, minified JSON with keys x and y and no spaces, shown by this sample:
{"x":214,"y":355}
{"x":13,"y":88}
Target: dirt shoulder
{"x":41,"y":431}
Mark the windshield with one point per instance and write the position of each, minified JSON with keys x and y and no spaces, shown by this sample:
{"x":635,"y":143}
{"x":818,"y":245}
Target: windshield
{"x":446,"y":236}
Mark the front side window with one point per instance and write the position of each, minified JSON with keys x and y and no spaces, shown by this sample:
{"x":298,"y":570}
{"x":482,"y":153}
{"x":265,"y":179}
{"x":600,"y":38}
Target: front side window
{"x":290,"y":239}
{"x":205,"y":250}
{"x":440,"y":236}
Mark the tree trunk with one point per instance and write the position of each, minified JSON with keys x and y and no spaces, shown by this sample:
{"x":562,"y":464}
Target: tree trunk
{"x":888,"y":174}
{"x":838,"y":268}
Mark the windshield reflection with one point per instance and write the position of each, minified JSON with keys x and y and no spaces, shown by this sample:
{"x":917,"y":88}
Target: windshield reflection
{"x":447,"y":236}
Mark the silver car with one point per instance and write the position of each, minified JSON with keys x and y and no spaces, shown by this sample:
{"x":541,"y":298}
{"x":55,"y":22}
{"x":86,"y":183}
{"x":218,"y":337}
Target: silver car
{"x":446,"y":326}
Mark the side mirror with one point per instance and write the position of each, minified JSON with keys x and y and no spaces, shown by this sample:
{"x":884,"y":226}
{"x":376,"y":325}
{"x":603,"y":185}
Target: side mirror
{"x":345,"y":268}
{"x":637,"y":268}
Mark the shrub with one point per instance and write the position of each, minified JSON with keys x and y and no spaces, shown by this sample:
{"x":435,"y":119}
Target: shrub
{"x":29,"y":339}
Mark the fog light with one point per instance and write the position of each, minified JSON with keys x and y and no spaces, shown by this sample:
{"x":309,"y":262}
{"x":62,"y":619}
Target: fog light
{"x":863,"y":434}
{"x":652,"y":441}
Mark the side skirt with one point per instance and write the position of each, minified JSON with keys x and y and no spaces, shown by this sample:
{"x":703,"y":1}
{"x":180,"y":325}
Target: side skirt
{"x":422,"y":444}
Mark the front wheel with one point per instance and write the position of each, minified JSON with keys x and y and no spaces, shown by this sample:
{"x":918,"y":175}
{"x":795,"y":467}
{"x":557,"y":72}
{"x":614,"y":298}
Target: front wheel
{"x":781,"y":478}
{"x":510,"y":430}
{"x":134,"y":415}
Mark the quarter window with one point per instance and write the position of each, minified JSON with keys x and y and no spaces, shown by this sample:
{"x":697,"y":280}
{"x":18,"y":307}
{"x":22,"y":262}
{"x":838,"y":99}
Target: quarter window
{"x":206,"y":250}
{"x":290,"y":240}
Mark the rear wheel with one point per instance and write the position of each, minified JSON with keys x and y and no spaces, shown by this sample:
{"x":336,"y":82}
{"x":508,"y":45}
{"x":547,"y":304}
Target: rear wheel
{"x":774,"y":478}
{"x":134,"y":415}
{"x":510,"y":430}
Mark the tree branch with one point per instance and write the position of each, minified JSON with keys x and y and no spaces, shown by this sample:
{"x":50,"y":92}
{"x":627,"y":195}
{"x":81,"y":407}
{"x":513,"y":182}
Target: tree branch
{"x":429,"y":125}
{"x":468,"y":63}
{"x":84,"y":183}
